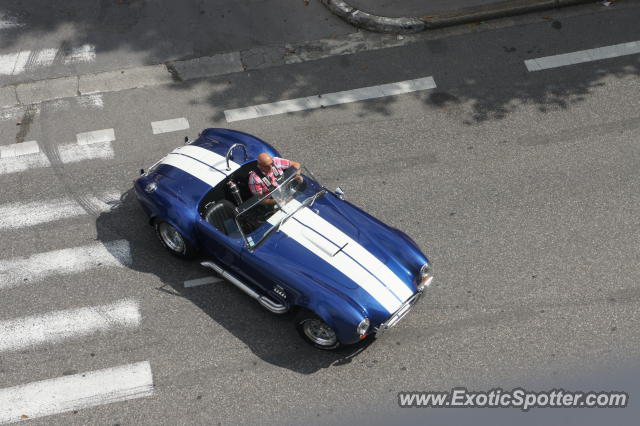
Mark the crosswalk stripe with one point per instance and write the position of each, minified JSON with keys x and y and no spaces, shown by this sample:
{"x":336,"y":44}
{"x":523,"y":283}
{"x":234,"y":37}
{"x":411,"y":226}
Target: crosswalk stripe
{"x":27,"y":155}
{"x":18,"y":149}
{"x":172,"y":125}
{"x":23,"y":214}
{"x":18,"y":62}
{"x":96,"y":136}
{"x":75,"y":392}
{"x":27,"y":269}
{"x":328,"y":99}
{"x":53,"y":327}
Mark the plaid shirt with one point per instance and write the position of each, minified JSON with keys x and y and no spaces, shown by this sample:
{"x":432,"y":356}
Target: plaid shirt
{"x":257,"y":187}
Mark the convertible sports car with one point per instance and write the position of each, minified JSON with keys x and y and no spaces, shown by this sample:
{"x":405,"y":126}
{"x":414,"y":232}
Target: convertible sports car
{"x":345,"y":274}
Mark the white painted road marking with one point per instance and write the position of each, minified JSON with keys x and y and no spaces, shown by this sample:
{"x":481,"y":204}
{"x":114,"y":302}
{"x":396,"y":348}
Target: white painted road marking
{"x":83,"y":390}
{"x":96,"y":136}
{"x":53,"y":327}
{"x":589,"y":55}
{"x":25,"y":60}
{"x":24,"y":214}
{"x":18,"y":149}
{"x":328,"y":99}
{"x":94,"y":145}
{"x":27,"y":269}
{"x":202,"y":281}
{"x":172,"y":125}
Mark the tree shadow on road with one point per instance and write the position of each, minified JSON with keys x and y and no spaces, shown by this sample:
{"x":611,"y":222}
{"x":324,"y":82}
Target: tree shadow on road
{"x":270,"y":337}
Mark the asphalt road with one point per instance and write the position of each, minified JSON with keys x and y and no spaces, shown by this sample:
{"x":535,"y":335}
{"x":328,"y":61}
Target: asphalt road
{"x":522,"y":188}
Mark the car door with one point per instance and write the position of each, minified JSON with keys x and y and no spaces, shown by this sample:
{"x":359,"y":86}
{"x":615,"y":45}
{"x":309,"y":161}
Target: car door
{"x":222,"y":249}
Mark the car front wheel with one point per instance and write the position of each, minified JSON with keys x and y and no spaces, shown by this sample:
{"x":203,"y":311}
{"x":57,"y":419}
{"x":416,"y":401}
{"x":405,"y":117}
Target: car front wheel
{"x":316,"y":332}
{"x":173,"y":240}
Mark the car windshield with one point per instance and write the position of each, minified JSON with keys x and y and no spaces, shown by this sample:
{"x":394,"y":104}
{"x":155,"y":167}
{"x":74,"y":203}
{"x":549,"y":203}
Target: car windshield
{"x":259,"y":217}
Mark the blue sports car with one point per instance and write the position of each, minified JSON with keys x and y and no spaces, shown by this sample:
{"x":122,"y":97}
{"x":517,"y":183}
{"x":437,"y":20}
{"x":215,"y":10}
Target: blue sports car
{"x":344,"y":274}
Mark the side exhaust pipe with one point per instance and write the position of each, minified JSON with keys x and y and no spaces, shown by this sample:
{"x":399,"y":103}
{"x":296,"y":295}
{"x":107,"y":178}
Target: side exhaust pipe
{"x":267,"y":303}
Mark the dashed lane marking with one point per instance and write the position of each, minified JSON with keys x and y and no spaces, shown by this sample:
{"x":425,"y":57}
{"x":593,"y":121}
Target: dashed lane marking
{"x":75,"y":392}
{"x":172,"y":125}
{"x":329,"y":99}
{"x":581,"y":56}
{"x":202,"y":281}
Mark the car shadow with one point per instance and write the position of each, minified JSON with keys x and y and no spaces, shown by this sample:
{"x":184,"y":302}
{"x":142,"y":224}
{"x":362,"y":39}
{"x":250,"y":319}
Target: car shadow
{"x":271,"y":337}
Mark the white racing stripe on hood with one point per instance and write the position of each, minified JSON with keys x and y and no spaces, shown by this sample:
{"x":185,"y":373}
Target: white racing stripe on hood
{"x":357,"y":252}
{"x":342,"y":261}
{"x":195,"y":168}
{"x":209,"y":157}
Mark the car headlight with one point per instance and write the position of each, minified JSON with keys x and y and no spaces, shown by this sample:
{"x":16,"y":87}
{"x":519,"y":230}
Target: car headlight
{"x":425,"y":277}
{"x":363,"y":327}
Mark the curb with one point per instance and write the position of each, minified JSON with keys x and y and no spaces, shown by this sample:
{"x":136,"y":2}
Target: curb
{"x":411,"y":24}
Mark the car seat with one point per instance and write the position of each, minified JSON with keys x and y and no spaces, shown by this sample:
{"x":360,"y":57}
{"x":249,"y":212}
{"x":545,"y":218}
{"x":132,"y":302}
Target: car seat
{"x":221,"y":214}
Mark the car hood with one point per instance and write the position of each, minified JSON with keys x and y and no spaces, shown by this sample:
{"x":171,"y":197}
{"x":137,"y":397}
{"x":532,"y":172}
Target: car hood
{"x":347,"y":251}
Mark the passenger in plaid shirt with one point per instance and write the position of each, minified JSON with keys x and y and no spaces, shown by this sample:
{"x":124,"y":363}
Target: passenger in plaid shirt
{"x":271,"y":168}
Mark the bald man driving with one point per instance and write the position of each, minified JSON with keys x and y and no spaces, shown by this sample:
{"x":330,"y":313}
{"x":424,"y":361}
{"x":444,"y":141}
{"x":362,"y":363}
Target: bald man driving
{"x":265,"y":177}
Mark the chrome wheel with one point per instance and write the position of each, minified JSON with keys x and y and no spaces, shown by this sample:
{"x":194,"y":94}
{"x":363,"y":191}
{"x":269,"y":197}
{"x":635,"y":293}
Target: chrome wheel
{"x":319,"y":332}
{"x":171,"y":238}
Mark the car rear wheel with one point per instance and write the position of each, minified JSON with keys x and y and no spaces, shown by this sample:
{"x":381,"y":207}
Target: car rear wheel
{"x":173,"y":240}
{"x":316,"y":332}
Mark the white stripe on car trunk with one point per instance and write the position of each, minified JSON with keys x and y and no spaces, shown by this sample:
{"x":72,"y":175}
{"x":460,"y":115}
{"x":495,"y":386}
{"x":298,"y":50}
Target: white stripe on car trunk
{"x":209,"y":157}
{"x":341,"y":261}
{"x":24,"y":270}
{"x":207,"y":174}
{"x":53,"y":327}
{"x":75,"y":392}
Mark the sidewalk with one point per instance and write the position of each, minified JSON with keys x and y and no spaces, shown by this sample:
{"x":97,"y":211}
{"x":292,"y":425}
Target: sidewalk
{"x":411,"y":16}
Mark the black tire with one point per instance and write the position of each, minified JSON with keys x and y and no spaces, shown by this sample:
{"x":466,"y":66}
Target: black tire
{"x":306,"y":322}
{"x":173,"y":240}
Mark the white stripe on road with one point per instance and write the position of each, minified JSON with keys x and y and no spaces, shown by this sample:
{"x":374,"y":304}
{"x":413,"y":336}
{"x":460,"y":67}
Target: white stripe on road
{"x":172,"y":125}
{"x":24,"y":214}
{"x":202,"y":281}
{"x":589,"y":55}
{"x":24,"y":162}
{"x":83,"y":390}
{"x":314,"y":102}
{"x":18,"y":62}
{"x":18,"y":149}
{"x":27,"y":155}
{"x":53,"y":327}
{"x":27,"y":269}
{"x":96,"y":136}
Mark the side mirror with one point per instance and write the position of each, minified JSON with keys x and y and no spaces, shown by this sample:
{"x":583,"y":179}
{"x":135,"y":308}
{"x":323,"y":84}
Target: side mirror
{"x":141,"y":171}
{"x":339,"y":193}
{"x":186,"y":139}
